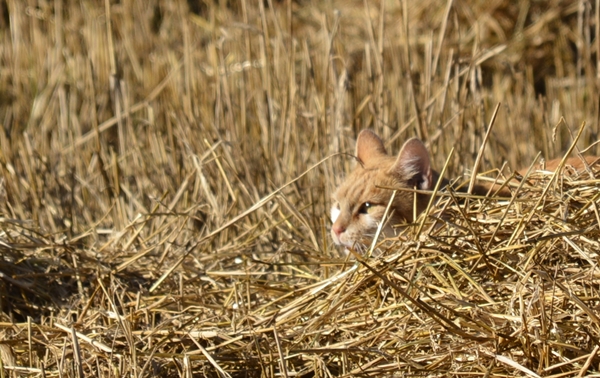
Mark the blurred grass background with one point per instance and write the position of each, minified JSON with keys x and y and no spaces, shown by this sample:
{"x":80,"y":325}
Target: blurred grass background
{"x":133,"y":131}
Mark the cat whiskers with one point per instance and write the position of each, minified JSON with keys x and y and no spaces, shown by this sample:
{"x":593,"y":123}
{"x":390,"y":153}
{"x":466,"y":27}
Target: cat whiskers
{"x":356,"y":248}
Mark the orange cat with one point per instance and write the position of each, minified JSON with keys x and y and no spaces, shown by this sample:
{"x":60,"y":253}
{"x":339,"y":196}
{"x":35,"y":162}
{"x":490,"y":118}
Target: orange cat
{"x":360,"y":201}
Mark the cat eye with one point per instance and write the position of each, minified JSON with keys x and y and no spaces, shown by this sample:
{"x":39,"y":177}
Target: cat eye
{"x":364,"y":208}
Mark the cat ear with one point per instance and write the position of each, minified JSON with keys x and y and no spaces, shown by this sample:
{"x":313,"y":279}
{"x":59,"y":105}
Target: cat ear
{"x":369,"y":145}
{"x":414,"y":166}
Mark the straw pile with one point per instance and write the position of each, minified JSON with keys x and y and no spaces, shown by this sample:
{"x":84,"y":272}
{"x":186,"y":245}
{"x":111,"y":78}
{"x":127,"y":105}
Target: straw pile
{"x":166,"y":171}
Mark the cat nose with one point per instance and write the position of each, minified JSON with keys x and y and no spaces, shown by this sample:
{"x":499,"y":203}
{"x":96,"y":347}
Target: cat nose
{"x":338,"y":229}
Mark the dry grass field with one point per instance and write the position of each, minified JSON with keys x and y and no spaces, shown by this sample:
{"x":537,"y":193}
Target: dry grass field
{"x":166,"y":169}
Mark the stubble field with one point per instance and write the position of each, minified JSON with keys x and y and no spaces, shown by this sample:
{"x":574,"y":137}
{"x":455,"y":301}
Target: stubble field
{"x":166,"y":171}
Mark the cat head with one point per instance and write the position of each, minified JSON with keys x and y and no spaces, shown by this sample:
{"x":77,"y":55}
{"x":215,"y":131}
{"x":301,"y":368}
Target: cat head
{"x":360,"y":201}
